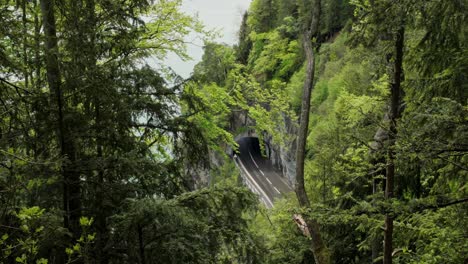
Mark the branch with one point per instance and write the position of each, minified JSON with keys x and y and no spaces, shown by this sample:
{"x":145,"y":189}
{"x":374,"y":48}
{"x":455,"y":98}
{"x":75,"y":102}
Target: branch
{"x":439,"y":206}
{"x":14,"y":86}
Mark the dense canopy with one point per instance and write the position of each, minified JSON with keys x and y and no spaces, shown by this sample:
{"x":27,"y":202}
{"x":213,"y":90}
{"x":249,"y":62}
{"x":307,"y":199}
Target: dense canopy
{"x":108,"y":156}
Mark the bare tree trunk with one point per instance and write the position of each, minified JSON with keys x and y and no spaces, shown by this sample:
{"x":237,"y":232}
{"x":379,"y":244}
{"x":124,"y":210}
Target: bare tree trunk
{"x":71,"y":179}
{"x":318,"y":247}
{"x":304,"y":124}
{"x":394,"y":115}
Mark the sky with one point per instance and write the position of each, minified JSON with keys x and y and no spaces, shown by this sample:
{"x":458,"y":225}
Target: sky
{"x":224,"y":15}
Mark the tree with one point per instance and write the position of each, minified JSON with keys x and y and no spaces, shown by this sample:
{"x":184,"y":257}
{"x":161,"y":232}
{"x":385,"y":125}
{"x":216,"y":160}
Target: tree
{"x":71,"y":178}
{"x":262,"y":16}
{"x":102,"y":156}
{"x":244,"y":44}
{"x":197,"y":225}
{"x":116,"y":120}
{"x":393,"y":116}
{"x":216,"y":63}
{"x":394,"y":31}
{"x":310,"y":31}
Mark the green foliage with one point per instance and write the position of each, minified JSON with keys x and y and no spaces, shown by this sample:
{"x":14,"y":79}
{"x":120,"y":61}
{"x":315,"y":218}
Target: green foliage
{"x":120,"y":123}
{"x":346,"y":106}
{"x":31,"y":230}
{"x":166,"y":30}
{"x":282,"y":239}
{"x":139,"y":140}
{"x":278,"y":57}
{"x":245,"y":44}
{"x":440,"y":130}
{"x":205,"y":226}
{"x":216,"y":62}
{"x":271,"y":111}
{"x":348,"y":116}
{"x":433,"y":237}
{"x":336,"y":14}
{"x":83,"y":247}
{"x":349,"y":103}
{"x":211,"y":113}
{"x":26,"y":240}
{"x":262,"y":15}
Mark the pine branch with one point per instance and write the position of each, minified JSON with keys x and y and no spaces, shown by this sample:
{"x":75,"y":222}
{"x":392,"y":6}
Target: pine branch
{"x":17,"y":88}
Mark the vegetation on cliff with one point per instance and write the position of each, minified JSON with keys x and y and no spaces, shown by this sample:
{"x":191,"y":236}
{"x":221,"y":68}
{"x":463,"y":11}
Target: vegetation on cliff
{"x":99,"y":151}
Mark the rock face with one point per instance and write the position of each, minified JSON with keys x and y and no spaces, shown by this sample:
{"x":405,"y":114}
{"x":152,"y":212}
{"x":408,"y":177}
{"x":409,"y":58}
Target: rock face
{"x":240,"y":122}
{"x":201,"y":176}
{"x":283,"y":157}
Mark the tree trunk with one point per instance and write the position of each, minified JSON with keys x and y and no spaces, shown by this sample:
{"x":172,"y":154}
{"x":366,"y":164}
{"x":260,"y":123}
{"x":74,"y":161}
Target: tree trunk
{"x":377,"y":150}
{"x":70,"y":175}
{"x":318,"y":247}
{"x":37,"y":48}
{"x":100,"y":215}
{"x":394,"y":115}
{"x":25,"y":50}
{"x":141,"y":245}
{"x":101,"y":227}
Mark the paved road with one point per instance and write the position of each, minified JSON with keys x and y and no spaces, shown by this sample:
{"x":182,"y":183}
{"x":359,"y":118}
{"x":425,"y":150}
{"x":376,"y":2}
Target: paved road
{"x":258,"y":173}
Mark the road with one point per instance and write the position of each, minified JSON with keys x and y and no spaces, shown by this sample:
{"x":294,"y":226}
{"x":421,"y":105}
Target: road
{"x":258,"y":172}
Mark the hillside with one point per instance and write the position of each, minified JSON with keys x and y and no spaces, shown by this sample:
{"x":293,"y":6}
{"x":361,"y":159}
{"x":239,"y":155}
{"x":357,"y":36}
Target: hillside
{"x":334,"y":131}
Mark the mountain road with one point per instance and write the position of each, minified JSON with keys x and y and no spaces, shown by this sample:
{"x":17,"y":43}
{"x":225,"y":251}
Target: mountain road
{"x":258,"y":172}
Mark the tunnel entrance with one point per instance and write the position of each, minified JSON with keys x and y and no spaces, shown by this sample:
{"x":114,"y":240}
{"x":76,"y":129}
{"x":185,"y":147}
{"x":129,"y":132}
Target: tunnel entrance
{"x":252,"y":145}
{"x":258,"y":172}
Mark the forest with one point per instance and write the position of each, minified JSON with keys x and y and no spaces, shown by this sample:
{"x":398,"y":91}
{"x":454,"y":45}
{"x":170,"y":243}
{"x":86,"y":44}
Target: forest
{"x":107,"y":155}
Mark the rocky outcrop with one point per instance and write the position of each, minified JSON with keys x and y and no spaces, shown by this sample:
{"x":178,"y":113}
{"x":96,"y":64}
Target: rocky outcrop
{"x":283,"y":156}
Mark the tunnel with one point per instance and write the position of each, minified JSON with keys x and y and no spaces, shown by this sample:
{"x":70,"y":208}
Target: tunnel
{"x":258,"y":172}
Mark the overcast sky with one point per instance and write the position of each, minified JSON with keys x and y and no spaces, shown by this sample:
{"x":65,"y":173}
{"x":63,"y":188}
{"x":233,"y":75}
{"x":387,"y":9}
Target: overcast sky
{"x":225,"y":15}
